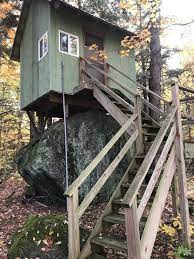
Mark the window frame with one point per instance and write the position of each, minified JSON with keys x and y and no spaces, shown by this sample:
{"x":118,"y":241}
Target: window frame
{"x":44,"y":53}
{"x":69,"y":35}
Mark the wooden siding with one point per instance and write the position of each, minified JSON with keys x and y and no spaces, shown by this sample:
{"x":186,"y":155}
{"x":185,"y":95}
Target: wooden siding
{"x":35,"y":75}
{"x":38,"y":78}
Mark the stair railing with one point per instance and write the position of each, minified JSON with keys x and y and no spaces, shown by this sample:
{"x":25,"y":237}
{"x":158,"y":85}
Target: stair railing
{"x":171,"y":159}
{"x":76,"y":210}
{"x":141,"y":88}
{"x":108,"y":77}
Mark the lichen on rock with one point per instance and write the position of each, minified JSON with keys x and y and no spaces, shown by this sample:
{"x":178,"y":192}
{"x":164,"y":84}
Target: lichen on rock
{"x":42,"y":164}
{"x":44,"y":237}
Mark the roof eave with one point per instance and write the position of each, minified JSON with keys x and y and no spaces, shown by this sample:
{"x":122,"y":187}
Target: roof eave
{"x":15,"y":54}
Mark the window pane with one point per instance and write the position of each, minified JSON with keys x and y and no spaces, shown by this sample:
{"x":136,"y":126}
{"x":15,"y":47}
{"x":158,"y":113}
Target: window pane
{"x":73,"y":44}
{"x":45,"y":44}
{"x":41,"y":49}
{"x":63,"y":42}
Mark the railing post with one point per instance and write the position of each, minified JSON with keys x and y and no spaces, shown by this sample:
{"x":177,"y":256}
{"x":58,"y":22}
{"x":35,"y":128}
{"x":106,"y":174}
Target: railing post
{"x":175,"y":200}
{"x":181,"y":171}
{"x":106,"y":70}
{"x":139,"y":142}
{"x":132,"y":229}
{"x":81,"y":66}
{"x":73,"y":226}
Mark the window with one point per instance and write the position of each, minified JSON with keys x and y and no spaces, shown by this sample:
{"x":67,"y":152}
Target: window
{"x":43,"y":46}
{"x":68,"y":44}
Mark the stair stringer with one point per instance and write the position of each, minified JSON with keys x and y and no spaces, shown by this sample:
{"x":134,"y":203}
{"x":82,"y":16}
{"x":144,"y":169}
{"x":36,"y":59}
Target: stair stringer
{"x":112,"y":109}
{"x":87,"y":249}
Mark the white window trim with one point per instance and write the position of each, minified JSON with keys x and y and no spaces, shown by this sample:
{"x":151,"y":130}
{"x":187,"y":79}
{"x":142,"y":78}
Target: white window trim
{"x":45,"y":53}
{"x":69,"y":34}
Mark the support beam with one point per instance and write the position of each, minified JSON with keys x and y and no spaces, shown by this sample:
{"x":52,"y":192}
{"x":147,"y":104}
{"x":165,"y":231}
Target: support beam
{"x":181,"y":171}
{"x":113,"y":110}
{"x":73,"y":226}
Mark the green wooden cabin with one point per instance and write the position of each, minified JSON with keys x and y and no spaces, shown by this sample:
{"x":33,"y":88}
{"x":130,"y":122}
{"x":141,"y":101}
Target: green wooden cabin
{"x":52,"y":32}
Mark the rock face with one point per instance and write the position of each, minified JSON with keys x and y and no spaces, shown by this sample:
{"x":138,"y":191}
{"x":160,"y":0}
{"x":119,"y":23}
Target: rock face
{"x":42,"y":164}
{"x":44,"y":237}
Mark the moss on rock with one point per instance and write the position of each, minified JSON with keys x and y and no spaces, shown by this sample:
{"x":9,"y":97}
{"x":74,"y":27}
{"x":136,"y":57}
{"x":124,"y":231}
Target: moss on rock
{"x":44,"y":237}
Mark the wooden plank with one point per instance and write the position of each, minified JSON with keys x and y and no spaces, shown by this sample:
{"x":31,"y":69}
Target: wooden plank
{"x":99,"y":157}
{"x":141,"y":174}
{"x":153,"y":221}
{"x":73,"y":226}
{"x":156,"y":173}
{"x":132,"y":231}
{"x":181,"y":171}
{"x":86,"y":251}
{"x":112,"y":109}
{"x":112,"y":243}
{"x":105,"y":176}
{"x":112,"y":94}
{"x":175,"y":195}
{"x":138,"y":122}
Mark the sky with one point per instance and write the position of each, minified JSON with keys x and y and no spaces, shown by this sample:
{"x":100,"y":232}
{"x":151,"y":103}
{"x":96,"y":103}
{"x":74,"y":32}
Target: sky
{"x":178,"y":36}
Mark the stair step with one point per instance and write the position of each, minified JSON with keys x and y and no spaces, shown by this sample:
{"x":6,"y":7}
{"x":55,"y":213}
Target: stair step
{"x":118,"y":202}
{"x":115,"y":219}
{"x":96,"y":256}
{"x":109,"y":242}
{"x":134,"y":172}
{"x":143,"y":186}
{"x":155,"y":127}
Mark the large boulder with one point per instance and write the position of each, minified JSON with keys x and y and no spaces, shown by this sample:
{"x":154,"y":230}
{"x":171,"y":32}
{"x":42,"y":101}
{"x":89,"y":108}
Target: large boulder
{"x":42,"y":164}
{"x":44,"y":237}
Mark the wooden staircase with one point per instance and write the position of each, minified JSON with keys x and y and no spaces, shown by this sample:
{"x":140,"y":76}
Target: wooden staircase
{"x":139,"y":199}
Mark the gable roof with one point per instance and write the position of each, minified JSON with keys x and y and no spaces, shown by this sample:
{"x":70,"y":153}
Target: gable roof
{"x":15,"y":55}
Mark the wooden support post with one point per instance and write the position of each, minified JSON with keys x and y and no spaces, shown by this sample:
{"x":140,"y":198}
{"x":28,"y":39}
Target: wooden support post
{"x":139,"y":142}
{"x":107,"y":70}
{"x":181,"y":171}
{"x":82,"y":76}
{"x":132,"y":229}
{"x":175,"y":194}
{"x":73,"y":226}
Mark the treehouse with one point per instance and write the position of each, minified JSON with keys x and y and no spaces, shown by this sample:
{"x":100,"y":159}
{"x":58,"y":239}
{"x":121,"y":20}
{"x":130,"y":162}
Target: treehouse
{"x":52,"y":33}
{"x":58,"y":69}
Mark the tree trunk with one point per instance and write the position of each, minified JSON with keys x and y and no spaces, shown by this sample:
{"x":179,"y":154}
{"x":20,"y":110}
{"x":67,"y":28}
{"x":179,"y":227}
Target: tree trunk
{"x":155,"y":68}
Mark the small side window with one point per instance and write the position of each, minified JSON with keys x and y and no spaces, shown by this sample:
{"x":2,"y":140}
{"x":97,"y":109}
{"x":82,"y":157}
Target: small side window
{"x":43,"y":46}
{"x":68,"y":44}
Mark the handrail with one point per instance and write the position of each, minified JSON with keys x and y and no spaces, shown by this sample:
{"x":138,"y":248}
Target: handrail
{"x":156,"y":173}
{"x":153,"y":221}
{"x":77,"y":183}
{"x":150,"y":105}
{"x":138,"y":84}
{"x":109,"y":77}
{"x":105,"y":176}
{"x":142,"y":172}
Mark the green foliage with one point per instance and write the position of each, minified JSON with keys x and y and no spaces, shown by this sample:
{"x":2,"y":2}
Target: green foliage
{"x":182,"y":252}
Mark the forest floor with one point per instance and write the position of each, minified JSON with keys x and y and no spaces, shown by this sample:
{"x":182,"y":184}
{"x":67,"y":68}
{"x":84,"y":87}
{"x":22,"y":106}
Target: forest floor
{"x":15,"y":209}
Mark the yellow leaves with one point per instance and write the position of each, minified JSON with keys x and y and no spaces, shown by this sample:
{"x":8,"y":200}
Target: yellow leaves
{"x":137,"y":41}
{"x":168,"y":230}
{"x":98,"y":55}
{"x":177,"y":223}
{"x":125,"y":4}
{"x":4,"y":9}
